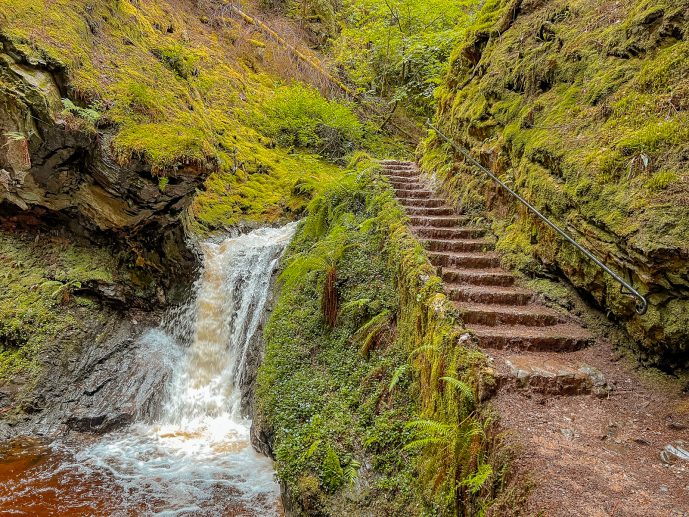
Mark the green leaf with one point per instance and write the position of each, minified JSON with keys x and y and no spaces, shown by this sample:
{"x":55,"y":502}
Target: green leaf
{"x":464,"y":388}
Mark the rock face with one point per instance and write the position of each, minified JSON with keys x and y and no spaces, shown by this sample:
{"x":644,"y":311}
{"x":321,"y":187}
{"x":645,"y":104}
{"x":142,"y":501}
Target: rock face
{"x":58,"y":174}
{"x":112,"y":378}
{"x":59,"y":168}
{"x":562,"y":100}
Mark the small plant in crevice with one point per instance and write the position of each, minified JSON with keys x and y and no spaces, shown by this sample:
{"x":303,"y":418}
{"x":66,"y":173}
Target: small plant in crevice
{"x":62,"y":291}
{"x":89,"y":115}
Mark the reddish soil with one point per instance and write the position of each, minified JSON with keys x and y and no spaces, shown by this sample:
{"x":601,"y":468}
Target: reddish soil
{"x":591,"y":456}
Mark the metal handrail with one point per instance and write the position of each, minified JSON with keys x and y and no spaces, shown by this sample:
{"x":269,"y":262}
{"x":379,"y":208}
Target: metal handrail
{"x":642,"y":303}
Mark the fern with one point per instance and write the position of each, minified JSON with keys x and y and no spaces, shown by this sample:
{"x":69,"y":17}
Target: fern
{"x":399,"y":372}
{"x":312,"y":449}
{"x":430,"y":427}
{"x":463,"y":388}
{"x":351,"y":472}
{"x":14,"y":136}
{"x":333,"y":474}
{"x":422,"y":349}
{"x":63,"y":291}
{"x":89,"y":114}
{"x":422,"y":443}
{"x":355,"y":304}
{"x":369,"y":331}
{"x":475,"y":482}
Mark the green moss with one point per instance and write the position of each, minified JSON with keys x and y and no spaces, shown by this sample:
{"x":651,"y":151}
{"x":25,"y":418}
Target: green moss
{"x":589,"y":122}
{"x":341,"y":397}
{"x":37,"y":308}
{"x":661,"y":180}
{"x":177,"y":93}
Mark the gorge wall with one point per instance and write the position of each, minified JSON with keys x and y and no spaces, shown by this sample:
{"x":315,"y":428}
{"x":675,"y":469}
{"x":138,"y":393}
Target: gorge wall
{"x":127,"y":129}
{"x":582,"y":106}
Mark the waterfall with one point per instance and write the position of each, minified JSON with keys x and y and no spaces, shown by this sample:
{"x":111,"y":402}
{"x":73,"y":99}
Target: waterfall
{"x":221,"y":322}
{"x":197,"y":457}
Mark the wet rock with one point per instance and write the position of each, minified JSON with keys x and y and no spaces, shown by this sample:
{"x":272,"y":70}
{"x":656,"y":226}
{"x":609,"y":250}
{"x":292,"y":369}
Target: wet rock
{"x":116,"y":376}
{"x":675,"y":452}
{"x":552,"y":376}
{"x":64,"y":175}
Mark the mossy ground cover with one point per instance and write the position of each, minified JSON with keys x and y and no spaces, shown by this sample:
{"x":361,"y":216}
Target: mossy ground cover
{"x":178,"y":84}
{"x":582,"y":107}
{"x":38,"y":307}
{"x":350,"y":401}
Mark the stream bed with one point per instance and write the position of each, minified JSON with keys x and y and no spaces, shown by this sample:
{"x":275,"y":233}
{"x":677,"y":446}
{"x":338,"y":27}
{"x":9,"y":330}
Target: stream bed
{"x":195,"y":457}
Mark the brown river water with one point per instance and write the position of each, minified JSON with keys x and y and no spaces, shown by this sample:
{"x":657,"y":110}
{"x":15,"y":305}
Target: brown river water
{"x":196,"y":459}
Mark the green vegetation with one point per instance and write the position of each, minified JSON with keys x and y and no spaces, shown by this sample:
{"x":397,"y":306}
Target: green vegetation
{"x":587,"y":118}
{"x":183,"y":89}
{"x":366,"y":366}
{"x":399,"y":49}
{"x":317,"y":17}
{"x":38,"y":305}
{"x":299,"y":116}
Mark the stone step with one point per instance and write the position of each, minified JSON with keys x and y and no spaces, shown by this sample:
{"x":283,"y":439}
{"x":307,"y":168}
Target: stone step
{"x":458,"y":245}
{"x":406,"y":183}
{"x":430,"y":232}
{"x":390,"y":163}
{"x":555,"y":338}
{"x":509,"y":296}
{"x":438,"y":222}
{"x":429,"y":210}
{"x":402,"y":173}
{"x":496,"y":276}
{"x":413,"y":194}
{"x":549,"y":375}
{"x":464,"y":260}
{"x":400,"y":181}
{"x":491,"y":314}
{"x":429,"y":202}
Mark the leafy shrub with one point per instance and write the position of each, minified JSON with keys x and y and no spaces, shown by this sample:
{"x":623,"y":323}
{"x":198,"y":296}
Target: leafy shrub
{"x":300,"y":116}
{"x":399,"y":49}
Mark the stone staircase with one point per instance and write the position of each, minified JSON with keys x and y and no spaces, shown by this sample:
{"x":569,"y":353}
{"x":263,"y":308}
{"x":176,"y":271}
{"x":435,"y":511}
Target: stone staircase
{"x":528,"y":341}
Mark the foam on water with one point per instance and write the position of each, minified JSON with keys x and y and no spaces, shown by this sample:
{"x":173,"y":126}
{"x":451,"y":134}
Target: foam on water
{"x":197,"y":456}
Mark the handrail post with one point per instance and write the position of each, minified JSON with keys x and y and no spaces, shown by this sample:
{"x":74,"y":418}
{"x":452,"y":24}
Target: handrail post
{"x":642,"y":302}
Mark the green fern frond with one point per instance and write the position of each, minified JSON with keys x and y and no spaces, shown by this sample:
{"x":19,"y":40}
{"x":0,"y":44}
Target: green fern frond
{"x":370,"y":331}
{"x":355,"y":304}
{"x":300,"y":266}
{"x":401,"y":370}
{"x":312,"y":449}
{"x":475,"y":482}
{"x":463,"y":388}
{"x":422,"y":349}
{"x":430,"y":427}
{"x":422,"y":443}
{"x":351,"y":472}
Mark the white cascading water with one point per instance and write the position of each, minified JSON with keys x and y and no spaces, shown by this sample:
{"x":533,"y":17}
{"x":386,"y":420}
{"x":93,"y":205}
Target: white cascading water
{"x":197,"y":458}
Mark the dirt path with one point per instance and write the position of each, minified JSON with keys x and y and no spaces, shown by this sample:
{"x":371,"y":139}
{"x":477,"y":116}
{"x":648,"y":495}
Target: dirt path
{"x":591,"y":456}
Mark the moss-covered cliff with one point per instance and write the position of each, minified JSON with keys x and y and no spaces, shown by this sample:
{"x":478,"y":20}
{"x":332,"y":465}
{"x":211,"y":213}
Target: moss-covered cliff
{"x":583,"y":107}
